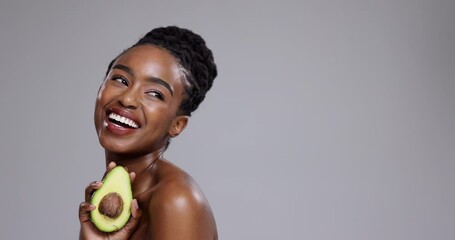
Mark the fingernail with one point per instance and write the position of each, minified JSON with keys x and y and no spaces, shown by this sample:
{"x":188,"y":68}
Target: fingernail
{"x":135,"y":205}
{"x":92,"y":207}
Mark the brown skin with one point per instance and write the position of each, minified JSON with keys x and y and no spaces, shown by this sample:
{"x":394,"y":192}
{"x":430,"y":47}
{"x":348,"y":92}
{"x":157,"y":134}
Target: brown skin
{"x":169,"y":203}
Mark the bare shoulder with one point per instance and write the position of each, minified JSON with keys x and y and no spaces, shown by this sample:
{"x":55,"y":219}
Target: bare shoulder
{"x":178,"y":208}
{"x":176,"y":188}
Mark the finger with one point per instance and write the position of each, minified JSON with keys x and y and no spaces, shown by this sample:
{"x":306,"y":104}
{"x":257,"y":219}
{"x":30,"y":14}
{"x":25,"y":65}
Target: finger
{"x":84,"y":211}
{"x":132,"y":176}
{"x":92,"y":187}
{"x":110,"y":166}
{"x":135,"y":211}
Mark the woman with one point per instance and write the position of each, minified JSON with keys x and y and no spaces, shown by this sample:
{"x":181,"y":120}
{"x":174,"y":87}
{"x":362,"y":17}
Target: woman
{"x":154,"y":85}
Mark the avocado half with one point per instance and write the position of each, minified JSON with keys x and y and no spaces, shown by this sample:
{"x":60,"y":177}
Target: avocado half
{"x":112,"y":201}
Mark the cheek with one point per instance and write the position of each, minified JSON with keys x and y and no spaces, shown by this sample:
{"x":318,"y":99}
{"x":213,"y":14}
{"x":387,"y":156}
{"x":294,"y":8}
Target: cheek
{"x":104,"y":96}
{"x":101,"y":92}
{"x":97,"y":116}
{"x":99,"y":103}
{"x":160,"y":116}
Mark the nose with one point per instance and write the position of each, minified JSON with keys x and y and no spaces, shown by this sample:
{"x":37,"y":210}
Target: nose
{"x":129,"y":99}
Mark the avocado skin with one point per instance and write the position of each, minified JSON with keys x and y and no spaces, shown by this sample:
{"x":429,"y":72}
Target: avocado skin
{"x":118,"y":181}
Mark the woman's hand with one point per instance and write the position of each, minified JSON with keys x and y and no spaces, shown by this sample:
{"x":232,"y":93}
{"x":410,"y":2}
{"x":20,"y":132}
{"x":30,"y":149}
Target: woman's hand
{"x":88,"y":229}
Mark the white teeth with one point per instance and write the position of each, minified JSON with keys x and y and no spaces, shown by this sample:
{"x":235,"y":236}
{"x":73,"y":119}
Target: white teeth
{"x":123,"y":120}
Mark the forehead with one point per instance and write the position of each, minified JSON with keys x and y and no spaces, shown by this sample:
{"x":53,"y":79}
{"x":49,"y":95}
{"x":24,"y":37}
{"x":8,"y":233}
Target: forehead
{"x":152,"y":61}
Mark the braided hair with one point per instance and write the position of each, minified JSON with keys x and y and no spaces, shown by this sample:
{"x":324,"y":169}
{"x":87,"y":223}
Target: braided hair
{"x":196,"y":60}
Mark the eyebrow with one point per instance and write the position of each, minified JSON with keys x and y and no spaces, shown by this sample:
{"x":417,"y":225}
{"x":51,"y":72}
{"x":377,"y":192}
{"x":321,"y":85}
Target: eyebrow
{"x":150,"y":79}
{"x":124,"y":68}
{"x":161,"y":82}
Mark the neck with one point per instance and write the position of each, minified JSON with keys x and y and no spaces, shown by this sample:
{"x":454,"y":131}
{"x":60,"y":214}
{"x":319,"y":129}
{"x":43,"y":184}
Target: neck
{"x":139,"y":164}
{"x":134,"y":163}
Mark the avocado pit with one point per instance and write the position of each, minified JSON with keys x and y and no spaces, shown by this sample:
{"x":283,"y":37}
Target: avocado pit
{"x":111,"y":205}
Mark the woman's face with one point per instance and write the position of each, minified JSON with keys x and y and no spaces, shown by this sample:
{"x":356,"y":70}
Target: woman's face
{"x":137,"y":104}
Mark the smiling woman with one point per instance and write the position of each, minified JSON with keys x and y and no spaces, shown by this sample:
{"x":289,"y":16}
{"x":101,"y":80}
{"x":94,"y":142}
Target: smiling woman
{"x":143,"y":87}
{"x":145,"y":100}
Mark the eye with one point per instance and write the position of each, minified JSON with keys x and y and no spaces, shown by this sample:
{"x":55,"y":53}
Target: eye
{"x":156,"y":94}
{"x":120,"y":79}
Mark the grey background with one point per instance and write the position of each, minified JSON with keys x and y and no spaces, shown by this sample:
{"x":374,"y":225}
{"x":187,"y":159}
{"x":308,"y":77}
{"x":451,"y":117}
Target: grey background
{"x":329,"y":119}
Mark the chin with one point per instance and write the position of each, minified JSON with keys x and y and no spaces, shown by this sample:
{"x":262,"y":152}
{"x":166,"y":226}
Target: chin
{"x":114,"y":146}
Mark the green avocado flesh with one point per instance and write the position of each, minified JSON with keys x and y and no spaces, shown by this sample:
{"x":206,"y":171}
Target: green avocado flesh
{"x":112,"y":201}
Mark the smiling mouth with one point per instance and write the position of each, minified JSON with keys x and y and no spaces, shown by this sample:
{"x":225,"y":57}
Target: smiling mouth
{"x":122,"y":121}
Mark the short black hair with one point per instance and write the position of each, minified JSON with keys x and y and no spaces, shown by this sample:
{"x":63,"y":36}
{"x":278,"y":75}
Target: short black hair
{"x":196,"y":59}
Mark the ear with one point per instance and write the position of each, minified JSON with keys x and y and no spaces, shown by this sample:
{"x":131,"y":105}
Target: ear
{"x":178,"y":125}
